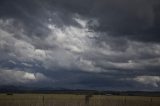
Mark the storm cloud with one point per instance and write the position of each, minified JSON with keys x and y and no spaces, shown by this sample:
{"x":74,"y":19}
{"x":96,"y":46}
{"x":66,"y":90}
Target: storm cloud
{"x":81,"y":44}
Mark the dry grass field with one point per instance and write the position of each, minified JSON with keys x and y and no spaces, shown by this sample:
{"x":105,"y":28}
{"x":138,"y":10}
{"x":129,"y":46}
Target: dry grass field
{"x":75,"y":100}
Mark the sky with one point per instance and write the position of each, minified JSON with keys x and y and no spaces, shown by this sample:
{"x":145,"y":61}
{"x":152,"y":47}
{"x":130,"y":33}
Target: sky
{"x":80,"y":44}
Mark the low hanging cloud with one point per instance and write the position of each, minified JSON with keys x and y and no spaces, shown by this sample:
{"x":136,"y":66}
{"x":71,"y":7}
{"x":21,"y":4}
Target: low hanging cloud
{"x":20,"y":77}
{"x":148,"y":80}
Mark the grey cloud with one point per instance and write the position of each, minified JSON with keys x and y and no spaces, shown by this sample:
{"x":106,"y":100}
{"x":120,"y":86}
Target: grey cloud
{"x":20,"y":77}
{"x":148,"y":80}
{"x":138,"y":20}
{"x":88,"y":44}
{"x":109,"y":56}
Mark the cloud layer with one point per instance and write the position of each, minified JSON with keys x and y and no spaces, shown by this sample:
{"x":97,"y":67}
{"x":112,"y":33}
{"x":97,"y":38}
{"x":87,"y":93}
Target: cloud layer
{"x":89,"y":44}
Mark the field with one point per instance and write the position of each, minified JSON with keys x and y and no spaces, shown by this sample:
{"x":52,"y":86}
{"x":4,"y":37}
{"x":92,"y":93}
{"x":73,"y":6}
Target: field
{"x":76,"y":100}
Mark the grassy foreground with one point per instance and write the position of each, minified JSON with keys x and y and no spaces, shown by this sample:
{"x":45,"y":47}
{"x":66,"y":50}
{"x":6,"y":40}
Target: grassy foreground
{"x":76,"y":100}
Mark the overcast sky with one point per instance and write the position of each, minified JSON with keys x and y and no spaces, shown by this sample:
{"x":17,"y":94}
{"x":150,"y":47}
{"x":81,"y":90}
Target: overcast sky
{"x":80,"y":44}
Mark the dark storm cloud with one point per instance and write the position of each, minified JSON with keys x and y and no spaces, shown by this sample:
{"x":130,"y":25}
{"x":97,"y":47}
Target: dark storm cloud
{"x":81,"y":44}
{"x":33,"y":14}
{"x":136,"y":19}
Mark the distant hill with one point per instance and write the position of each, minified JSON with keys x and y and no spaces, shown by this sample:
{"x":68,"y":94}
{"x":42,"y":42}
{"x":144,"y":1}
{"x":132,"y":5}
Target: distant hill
{"x":22,"y":89}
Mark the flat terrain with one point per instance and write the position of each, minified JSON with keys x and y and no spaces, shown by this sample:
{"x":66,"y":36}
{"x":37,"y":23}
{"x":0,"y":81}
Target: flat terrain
{"x":76,"y":100}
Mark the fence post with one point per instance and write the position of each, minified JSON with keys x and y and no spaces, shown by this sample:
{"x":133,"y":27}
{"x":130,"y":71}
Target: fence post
{"x":125,"y":100}
{"x":87,"y":99}
{"x":43,"y":101}
{"x":151,"y":102}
